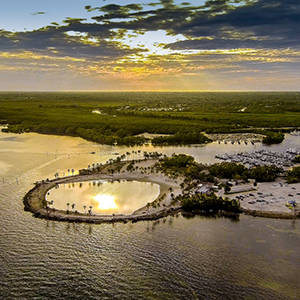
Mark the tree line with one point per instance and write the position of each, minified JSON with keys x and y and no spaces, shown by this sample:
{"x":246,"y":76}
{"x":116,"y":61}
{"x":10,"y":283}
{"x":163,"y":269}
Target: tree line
{"x":123,"y":117}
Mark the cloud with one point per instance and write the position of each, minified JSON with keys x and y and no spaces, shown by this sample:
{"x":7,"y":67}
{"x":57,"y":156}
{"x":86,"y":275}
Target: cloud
{"x":270,"y":25}
{"x":225,"y":24}
{"x":38,"y":13}
{"x":162,"y":38}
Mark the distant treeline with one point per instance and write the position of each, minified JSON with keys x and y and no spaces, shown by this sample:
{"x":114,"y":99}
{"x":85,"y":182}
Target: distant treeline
{"x":120,"y":117}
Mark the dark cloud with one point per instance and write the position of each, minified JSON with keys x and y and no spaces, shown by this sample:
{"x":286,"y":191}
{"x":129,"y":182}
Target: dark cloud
{"x":55,"y":38}
{"x":272,"y":24}
{"x":214,"y":25}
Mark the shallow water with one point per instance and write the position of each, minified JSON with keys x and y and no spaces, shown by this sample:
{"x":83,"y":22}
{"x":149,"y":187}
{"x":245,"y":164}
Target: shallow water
{"x":103,"y":197}
{"x":174,"y":258}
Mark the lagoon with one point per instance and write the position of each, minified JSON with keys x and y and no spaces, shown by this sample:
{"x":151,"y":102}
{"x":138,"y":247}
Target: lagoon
{"x":105,"y":197}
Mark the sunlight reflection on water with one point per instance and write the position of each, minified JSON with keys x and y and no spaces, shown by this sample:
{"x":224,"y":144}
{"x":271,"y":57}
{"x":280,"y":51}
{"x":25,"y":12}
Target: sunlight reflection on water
{"x":104,"y":197}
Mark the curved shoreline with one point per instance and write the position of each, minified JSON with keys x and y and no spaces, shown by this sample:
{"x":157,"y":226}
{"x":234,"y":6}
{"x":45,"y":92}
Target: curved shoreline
{"x":33,"y":202}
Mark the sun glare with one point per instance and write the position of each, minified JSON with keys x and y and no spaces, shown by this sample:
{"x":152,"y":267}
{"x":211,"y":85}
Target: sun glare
{"x":105,"y":201}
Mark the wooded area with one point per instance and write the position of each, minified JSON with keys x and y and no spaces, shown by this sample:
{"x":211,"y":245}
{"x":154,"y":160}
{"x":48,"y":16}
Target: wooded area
{"x":118,"y":118}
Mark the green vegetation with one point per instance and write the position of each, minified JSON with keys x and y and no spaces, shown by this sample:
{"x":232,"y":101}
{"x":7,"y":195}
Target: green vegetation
{"x":184,"y":137}
{"x":293,"y":175}
{"x":185,"y":166}
{"x":177,"y":162}
{"x":236,"y":171}
{"x":273,"y":137}
{"x":119,"y":118}
{"x":229,"y":170}
{"x":209,"y":203}
{"x":296,"y":159}
{"x":265,"y":173}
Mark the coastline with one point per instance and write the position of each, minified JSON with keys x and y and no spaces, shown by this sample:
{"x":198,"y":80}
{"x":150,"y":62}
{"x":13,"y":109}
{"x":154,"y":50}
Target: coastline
{"x":33,"y":201}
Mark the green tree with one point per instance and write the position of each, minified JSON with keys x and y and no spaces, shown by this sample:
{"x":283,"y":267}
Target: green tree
{"x":228,"y":170}
{"x":293,"y":175}
{"x":273,"y":137}
{"x":265,"y":173}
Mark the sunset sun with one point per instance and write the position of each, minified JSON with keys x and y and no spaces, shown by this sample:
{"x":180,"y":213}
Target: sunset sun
{"x":106,"y":201}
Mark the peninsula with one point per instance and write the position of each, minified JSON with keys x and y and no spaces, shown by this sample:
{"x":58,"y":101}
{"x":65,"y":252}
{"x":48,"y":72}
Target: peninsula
{"x":185,"y":186}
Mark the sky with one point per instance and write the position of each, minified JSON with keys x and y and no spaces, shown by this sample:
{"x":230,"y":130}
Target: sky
{"x":156,"y":45}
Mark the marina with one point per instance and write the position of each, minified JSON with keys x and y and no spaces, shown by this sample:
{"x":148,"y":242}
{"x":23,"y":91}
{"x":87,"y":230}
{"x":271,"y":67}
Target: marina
{"x":262,"y":157}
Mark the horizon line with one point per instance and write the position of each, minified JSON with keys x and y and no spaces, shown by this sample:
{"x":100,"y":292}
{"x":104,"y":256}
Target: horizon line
{"x":149,"y":91}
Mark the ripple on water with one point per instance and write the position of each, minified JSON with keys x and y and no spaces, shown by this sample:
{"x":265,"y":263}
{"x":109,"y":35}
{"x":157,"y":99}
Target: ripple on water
{"x":176,"y":259}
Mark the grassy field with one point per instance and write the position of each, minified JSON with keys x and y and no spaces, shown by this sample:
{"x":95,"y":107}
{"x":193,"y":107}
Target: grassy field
{"x":119,"y":117}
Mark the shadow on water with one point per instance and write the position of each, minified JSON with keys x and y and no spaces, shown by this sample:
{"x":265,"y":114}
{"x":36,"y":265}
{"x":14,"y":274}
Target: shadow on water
{"x":232,"y":217}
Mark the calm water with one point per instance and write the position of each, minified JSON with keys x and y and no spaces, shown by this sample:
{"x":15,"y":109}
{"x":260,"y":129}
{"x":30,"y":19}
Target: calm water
{"x":175,"y":258}
{"x":118,"y":197}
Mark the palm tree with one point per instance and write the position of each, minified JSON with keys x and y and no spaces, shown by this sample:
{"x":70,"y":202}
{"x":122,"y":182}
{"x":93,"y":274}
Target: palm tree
{"x":127,"y":153}
{"x":73,"y":171}
{"x":73,"y":206}
{"x":91,"y":207}
{"x":84,"y":207}
{"x":146,"y":155}
{"x":51,"y":203}
{"x":68,"y":204}
{"x":68,"y":172}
